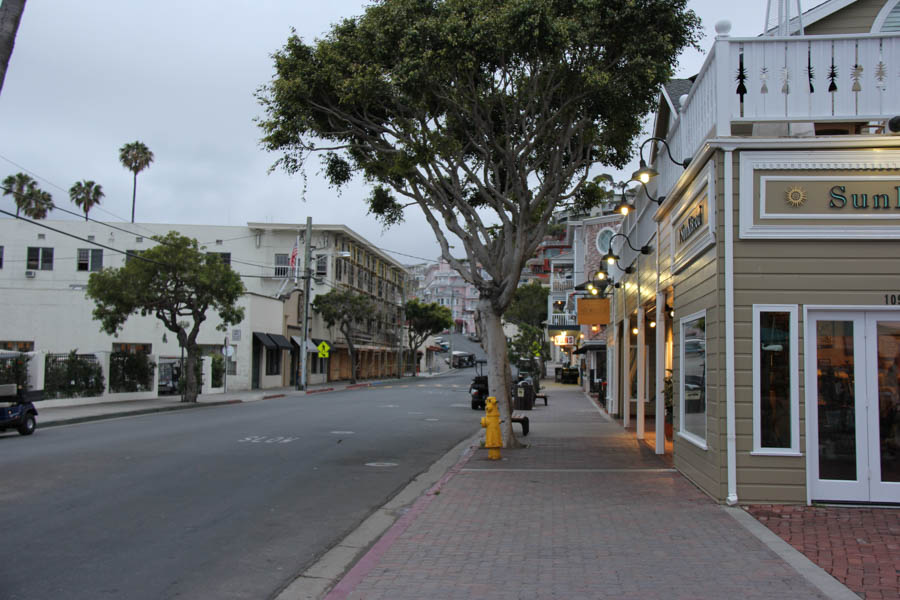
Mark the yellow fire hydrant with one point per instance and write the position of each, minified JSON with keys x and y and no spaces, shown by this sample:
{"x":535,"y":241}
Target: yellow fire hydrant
{"x":493,"y":438}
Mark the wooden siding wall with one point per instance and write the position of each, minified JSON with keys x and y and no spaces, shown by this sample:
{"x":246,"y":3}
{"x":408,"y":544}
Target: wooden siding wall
{"x":856,"y":18}
{"x":698,"y":287}
{"x":799,"y":272}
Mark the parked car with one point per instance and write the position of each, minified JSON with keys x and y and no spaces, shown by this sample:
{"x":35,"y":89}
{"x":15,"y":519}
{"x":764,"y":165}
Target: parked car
{"x":15,"y":411}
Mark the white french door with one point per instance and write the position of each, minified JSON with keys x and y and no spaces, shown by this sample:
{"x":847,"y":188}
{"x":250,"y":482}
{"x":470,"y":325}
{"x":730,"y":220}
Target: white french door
{"x":853,"y":405}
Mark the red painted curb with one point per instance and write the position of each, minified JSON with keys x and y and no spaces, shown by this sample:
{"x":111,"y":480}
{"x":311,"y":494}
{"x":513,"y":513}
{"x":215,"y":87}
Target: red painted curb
{"x":273,"y":396}
{"x":319,"y":391}
{"x":356,"y":386}
{"x":368,"y":562}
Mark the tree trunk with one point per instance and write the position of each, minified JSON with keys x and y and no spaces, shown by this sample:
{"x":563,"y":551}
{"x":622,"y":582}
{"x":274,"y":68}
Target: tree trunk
{"x":133,"y":197}
{"x":191,"y":384}
{"x":498,"y":369}
{"x":10,"y":15}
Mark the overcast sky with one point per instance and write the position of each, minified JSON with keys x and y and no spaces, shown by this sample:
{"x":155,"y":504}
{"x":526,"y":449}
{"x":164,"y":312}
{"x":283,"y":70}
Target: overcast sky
{"x":88,"y":76}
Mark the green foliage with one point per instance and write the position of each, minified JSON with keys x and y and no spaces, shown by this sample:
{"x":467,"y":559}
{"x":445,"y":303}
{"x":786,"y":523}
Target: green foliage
{"x":529,"y":305}
{"x":73,"y":376}
{"x":218,"y":370}
{"x":528,"y":344}
{"x":86,"y":194}
{"x":135,"y":157}
{"x":346,"y":309}
{"x":175,"y":282}
{"x":130,"y":372}
{"x":30,"y":199}
{"x":425,"y":319}
{"x":14,"y":369}
{"x":486,"y":114}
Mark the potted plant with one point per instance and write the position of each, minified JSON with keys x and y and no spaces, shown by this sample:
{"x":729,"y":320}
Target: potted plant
{"x":669,"y":397}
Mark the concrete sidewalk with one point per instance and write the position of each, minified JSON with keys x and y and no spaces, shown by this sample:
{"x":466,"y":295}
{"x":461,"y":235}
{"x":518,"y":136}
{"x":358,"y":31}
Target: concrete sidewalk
{"x":585,"y":512}
{"x":76,"y":412}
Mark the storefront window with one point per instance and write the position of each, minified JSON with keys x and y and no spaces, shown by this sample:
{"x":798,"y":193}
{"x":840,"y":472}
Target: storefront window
{"x":775,"y":389}
{"x":693,"y":377}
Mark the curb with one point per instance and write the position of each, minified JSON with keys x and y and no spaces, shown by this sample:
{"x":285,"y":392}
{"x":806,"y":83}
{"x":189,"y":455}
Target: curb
{"x":319,"y":391}
{"x":353,"y":555}
{"x":128,"y":413}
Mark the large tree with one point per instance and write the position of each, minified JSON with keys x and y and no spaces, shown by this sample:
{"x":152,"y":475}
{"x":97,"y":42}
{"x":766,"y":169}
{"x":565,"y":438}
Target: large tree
{"x":135,"y":157}
{"x":178,"y":284}
{"x":348,"y":310}
{"x":86,"y":195}
{"x":425,"y":319}
{"x":10,"y":15}
{"x":486,"y":114}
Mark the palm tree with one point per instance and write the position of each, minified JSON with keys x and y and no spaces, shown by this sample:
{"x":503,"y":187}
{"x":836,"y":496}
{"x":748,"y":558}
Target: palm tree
{"x":135,"y":157}
{"x":37,"y":203}
{"x":86,"y":194}
{"x":17,"y":186}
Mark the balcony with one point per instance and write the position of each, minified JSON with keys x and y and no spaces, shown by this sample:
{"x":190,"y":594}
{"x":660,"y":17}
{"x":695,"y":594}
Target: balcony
{"x":562,"y":285}
{"x":801,"y":79}
{"x":562,"y":321}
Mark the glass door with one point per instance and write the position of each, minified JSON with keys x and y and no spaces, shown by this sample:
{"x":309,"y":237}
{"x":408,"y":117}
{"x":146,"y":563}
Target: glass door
{"x":853,"y":377}
{"x":836,"y":386}
{"x":883,"y":331}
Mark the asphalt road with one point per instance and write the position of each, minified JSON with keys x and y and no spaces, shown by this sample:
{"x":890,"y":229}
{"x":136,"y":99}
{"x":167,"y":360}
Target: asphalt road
{"x":223,"y":502}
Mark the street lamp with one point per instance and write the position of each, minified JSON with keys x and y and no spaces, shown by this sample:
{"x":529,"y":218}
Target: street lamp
{"x":645,"y":173}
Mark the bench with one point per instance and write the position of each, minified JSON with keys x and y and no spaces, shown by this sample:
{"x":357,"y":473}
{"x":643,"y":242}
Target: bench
{"x":521,"y":420}
{"x":542,"y":397}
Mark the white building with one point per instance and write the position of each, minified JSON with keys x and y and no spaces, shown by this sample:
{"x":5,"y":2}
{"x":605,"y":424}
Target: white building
{"x":44,"y":273}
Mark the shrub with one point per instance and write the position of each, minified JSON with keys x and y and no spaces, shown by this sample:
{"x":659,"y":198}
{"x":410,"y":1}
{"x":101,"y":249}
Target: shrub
{"x":14,"y":369}
{"x":130,"y":372}
{"x":218,"y":370}
{"x":72,"y":376}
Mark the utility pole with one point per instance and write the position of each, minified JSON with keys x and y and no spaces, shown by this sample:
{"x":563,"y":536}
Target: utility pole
{"x":307,"y":276}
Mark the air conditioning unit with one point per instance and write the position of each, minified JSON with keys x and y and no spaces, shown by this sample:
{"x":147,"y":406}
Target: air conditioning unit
{"x":30,"y":274}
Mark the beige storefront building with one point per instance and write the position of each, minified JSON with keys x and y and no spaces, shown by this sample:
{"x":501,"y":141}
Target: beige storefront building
{"x":773,"y":276}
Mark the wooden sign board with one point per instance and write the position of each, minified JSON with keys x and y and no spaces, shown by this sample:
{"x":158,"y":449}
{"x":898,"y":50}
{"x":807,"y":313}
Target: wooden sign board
{"x":593,"y":311}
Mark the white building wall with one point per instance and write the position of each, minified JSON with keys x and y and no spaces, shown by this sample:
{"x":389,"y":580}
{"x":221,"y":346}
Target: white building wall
{"x":50,"y":308}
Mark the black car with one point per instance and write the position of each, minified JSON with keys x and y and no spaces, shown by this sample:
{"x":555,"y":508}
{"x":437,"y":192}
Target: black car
{"x":15,"y":411}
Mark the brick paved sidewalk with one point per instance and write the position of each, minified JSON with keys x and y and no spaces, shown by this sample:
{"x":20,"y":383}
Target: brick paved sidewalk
{"x":858,"y":546}
{"x":585,"y":512}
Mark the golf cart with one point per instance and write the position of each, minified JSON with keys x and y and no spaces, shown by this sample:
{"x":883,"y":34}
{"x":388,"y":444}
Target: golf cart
{"x":15,"y":411}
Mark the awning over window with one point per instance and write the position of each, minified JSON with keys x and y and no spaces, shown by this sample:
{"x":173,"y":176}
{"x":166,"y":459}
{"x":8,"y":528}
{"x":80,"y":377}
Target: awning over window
{"x":280,"y":341}
{"x":590,"y":346}
{"x":298,"y":341}
{"x":264,"y":340}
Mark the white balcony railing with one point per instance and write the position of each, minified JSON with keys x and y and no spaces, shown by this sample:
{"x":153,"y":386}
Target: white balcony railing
{"x":563,"y":320}
{"x":562,"y":285}
{"x":776,"y":76}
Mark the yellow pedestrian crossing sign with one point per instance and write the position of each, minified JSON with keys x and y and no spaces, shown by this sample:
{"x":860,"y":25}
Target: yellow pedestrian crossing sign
{"x":323,"y":349}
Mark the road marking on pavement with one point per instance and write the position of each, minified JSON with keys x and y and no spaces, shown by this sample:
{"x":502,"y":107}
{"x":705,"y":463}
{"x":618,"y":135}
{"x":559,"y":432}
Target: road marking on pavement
{"x":432,"y":419}
{"x":389,"y":406}
{"x":490,"y":470}
{"x":262,"y":439}
{"x":381,"y":464}
{"x":415,"y":413}
{"x":343,"y":432}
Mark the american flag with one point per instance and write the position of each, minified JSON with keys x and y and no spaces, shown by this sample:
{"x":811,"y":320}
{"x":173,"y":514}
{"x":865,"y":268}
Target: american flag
{"x":294,"y":256}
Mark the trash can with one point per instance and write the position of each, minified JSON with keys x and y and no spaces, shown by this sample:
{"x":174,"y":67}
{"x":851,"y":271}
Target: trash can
{"x":524,"y":396}
{"x":557,"y":374}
